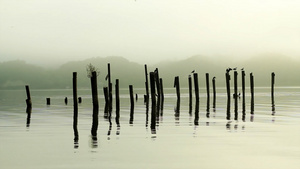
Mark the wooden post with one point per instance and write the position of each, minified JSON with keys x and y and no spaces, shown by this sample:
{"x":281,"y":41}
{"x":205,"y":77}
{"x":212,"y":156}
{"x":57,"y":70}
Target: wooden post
{"x":48,"y":101}
{"x":117,"y":103}
{"x":75,"y":104}
{"x":162,"y":96}
{"x":79,"y":100}
{"x":153,"y":112}
{"x":158,"y":91}
{"x":106,"y":107}
{"x":196,"y":120}
{"x":131,"y":104}
{"x":95,"y":104}
{"x":190,"y":95}
{"x":214,"y":92}
{"x":235,"y":96}
{"x":109,"y":88}
{"x":252,"y":92}
{"x":196,"y":86}
{"x":177,"y":86}
{"x":146,"y":83}
{"x":208,"y":95}
{"x":228,"y":94}
{"x":272,"y":92}
{"x":29,"y":106}
{"x":243,"y":95}
{"x":66,"y":100}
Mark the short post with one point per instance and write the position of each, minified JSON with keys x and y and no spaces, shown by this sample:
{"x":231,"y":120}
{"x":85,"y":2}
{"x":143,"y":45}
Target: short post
{"x":131,"y":103}
{"x":48,"y":101}
{"x":75,"y":104}
{"x":79,"y":100}
{"x":252,"y":92}
{"x":66,"y":100}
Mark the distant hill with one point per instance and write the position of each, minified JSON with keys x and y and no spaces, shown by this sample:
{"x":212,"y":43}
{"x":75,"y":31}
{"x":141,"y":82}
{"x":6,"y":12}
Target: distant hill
{"x":15,"y":74}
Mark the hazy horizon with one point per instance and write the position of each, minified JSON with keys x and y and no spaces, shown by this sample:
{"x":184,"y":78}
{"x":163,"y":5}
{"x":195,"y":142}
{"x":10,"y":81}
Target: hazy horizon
{"x":55,"y":32}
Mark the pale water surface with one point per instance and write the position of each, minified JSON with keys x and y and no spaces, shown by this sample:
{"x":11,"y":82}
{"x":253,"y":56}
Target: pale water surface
{"x":261,"y":141}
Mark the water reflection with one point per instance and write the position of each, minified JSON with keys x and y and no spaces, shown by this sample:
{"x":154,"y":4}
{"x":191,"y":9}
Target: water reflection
{"x":94,"y":142}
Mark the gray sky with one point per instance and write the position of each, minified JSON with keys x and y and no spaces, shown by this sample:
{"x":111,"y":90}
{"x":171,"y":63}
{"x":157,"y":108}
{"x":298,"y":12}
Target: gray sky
{"x":146,"y":31}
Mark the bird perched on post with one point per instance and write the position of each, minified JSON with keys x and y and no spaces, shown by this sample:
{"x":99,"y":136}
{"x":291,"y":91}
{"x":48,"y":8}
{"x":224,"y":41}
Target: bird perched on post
{"x":193,"y":71}
{"x":228,"y":70}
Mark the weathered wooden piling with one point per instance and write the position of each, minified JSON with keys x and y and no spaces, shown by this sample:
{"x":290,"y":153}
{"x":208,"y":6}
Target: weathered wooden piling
{"x":157,"y":82}
{"x":243,"y":95}
{"x":48,"y":101}
{"x":252,"y":92}
{"x":28,"y":100}
{"x":75,"y":104}
{"x":153,"y":99}
{"x":29,"y":106}
{"x":177,"y":86}
{"x":131,"y":103}
{"x":95,"y":104}
{"x":146,"y":84}
{"x":228,"y":95}
{"x":162,"y":96}
{"x":196,"y":86}
{"x":214,"y":92}
{"x":66,"y":100}
{"x":106,"y":107}
{"x":109,"y":88}
{"x":235,"y":96}
{"x":272,"y":92}
{"x":196,"y":120}
{"x":207,"y":94}
{"x":190,"y":95}
{"x":117,"y":103}
{"x":79,"y":100}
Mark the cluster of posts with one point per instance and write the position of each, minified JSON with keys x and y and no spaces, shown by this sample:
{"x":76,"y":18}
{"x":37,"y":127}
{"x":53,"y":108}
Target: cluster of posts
{"x":157,"y":98}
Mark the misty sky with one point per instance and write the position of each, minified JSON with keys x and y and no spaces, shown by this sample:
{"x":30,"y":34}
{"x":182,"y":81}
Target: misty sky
{"x":146,"y":31}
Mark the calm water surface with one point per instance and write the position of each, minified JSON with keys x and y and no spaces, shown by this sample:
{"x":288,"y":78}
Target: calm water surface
{"x":266,"y":140}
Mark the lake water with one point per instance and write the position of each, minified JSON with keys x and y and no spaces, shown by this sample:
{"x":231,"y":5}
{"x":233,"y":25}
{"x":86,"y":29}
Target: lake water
{"x":266,"y":140}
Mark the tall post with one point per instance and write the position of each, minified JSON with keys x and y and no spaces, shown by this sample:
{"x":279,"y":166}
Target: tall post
{"x":158,"y":91}
{"x":214,"y":92}
{"x":243,"y":95}
{"x":162,"y":96}
{"x":29,"y":106}
{"x":252,"y":92}
{"x":146,"y":83}
{"x":235,"y":96}
{"x":75,"y":104}
{"x":117,"y":103}
{"x":131,"y":103}
{"x":95,"y":104}
{"x":153,"y":111}
{"x":196,"y":86}
{"x":190,"y":94}
{"x":109,"y":87}
{"x":228,"y":94}
{"x":177,"y":86}
{"x":106,"y":97}
{"x":272,"y":92}
{"x":208,"y":95}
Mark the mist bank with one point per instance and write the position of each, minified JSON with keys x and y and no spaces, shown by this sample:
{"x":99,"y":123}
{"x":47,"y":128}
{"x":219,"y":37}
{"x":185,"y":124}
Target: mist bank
{"x":16,"y":74}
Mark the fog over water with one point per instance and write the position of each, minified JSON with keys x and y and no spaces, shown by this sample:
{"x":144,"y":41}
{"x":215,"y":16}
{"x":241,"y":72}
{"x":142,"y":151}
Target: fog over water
{"x":51,"y":33}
